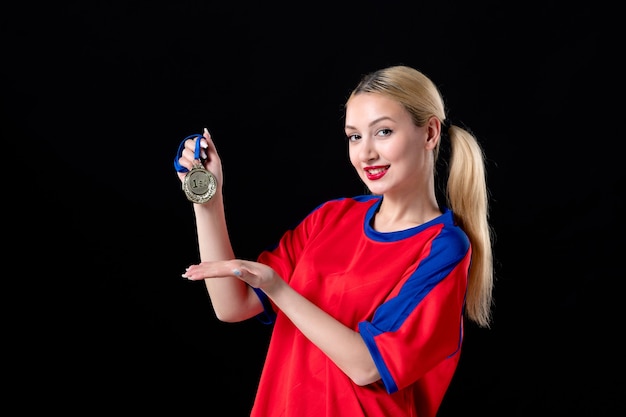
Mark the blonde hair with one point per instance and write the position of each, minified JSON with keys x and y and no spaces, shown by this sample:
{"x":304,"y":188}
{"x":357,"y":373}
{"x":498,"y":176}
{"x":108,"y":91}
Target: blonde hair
{"x":466,"y":188}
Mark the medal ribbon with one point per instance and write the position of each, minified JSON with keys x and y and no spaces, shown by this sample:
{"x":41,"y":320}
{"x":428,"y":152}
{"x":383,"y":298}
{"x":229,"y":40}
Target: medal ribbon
{"x":181,"y":147}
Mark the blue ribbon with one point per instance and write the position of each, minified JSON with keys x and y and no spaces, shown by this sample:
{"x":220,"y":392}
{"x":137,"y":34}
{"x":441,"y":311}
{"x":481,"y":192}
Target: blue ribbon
{"x":181,"y":148}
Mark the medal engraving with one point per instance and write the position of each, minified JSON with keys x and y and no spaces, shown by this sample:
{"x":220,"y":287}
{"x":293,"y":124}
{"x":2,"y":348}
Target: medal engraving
{"x":199,"y":185}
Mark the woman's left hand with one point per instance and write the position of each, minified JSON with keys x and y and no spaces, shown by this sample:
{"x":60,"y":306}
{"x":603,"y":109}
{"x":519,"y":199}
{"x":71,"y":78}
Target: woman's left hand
{"x":255,"y":274}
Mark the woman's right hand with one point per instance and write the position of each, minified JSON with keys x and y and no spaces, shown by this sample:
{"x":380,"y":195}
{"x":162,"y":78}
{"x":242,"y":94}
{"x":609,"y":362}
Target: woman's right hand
{"x":208,"y":153}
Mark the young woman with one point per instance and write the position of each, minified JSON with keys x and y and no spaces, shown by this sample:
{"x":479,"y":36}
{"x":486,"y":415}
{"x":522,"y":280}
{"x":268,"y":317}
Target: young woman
{"x":367,"y":294}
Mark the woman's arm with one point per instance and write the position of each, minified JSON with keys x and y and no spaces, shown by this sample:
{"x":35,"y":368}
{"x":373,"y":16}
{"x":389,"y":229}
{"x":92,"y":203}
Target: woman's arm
{"x":231,"y":298}
{"x":342,"y":345}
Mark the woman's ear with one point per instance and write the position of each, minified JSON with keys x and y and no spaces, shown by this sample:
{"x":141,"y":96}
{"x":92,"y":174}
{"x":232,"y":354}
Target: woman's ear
{"x":433,"y":128}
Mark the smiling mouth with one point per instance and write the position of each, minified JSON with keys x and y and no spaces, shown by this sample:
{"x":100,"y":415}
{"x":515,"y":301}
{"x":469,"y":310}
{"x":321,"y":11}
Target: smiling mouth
{"x":377,"y":170}
{"x":375,"y":173}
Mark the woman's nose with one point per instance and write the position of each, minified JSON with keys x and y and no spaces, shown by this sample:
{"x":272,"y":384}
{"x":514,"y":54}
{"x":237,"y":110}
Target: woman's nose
{"x":367,"y":151}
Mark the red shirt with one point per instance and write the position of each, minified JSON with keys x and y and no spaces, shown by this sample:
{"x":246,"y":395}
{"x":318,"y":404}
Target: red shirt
{"x":404,"y":292}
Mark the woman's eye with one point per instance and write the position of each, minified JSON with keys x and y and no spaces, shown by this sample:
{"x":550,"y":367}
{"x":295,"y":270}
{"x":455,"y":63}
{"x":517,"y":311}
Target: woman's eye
{"x":384,"y":132}
{"x":353,"y":138}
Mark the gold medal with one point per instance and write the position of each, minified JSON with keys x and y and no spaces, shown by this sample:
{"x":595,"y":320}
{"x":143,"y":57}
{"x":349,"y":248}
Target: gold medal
{"x":199,"y":185}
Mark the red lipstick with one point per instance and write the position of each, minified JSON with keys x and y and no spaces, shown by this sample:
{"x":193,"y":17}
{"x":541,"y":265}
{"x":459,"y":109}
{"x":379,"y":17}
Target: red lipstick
{"x":376,"y":172}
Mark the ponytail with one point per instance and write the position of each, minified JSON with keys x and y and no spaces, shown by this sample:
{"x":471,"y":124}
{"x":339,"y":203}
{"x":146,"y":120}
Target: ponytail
{"x":466,"y":194}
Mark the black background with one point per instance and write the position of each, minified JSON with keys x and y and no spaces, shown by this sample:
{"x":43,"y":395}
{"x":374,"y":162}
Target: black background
{"x":97,"y":96}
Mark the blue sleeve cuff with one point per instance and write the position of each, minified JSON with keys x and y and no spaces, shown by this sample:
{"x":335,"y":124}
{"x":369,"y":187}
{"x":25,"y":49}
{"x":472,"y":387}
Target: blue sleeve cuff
{"x":268,"y":316}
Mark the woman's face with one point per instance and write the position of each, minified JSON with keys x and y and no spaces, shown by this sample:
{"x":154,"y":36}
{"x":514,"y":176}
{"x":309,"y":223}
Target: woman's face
{"x":388,"y":151}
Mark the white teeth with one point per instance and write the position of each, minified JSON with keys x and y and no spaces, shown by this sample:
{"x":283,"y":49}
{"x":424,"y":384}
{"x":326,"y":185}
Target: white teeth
{"x":375,"y":171}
